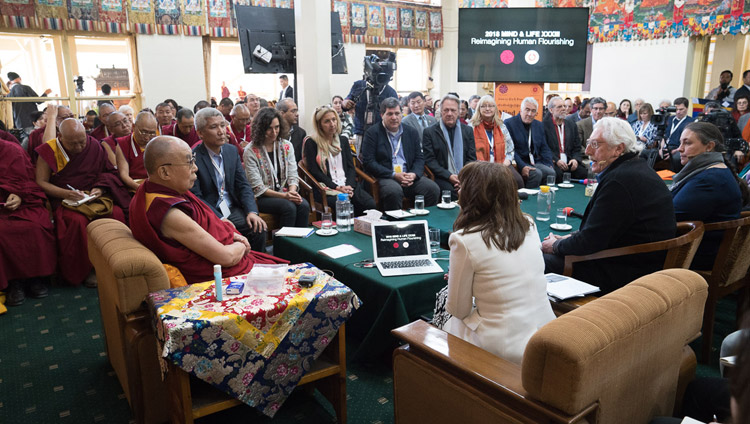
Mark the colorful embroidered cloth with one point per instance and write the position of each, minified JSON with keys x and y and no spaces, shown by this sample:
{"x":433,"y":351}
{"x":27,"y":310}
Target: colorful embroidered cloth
{"x":254,"y":348}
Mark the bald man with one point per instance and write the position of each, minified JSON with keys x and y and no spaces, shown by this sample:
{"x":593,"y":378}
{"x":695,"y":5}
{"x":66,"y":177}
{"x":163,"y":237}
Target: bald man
{"x":177,"y":226}
{"x":36,"y":138}
{"x":183,"y":128}
{"x":118,"y":126}
{"x":129,"y":151}
{"x":101,"y":132}
{"x":68,"y":166}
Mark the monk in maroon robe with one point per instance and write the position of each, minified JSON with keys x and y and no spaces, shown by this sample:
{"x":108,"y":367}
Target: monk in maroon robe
{"x":27,"y":239}
{"x":66,"y":168}
{"x":118,"y":126}
{"x":102,"y":131}
{"x":36,"y":138}
{"x":183,"y":128}
{"x":5,"y":135}
{"x":177,"y":226}
{"x":129,"y":150}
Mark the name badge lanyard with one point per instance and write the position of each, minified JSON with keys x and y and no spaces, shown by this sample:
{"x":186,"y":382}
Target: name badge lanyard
{"x":491,"y":138}
{"x":395,"y":151}
{"x":274,"y":166}
{"x":531,"y":152}
{"x":220,"y":170}
{"x":561,"y":137}
{"x":675,"y":124}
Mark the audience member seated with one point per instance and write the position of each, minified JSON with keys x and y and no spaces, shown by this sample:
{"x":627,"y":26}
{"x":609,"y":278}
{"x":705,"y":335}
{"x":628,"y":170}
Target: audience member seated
{"x":130,"y":149}
{"x":183,"y":128}
{"x":497,"y":292}
{"x":563,"y":142}
{"x":27,"y":238}
{"x":583,"y":112}
{"x":127,"y":111}
{"x":532,"y":154}
{"x":221,"y":180}
{"x":630,"y":206}
{"x":624,"y":110}
{"x":271,"y":169}
{"x":178,"y":227}
{"x":634,"y":116}
{"x":252,"y":101}
{"x":346,"y":119}
{"x":102,"y":131}
{"x":491,"y":137}
{"x":391,"y":154}
{"x":448,"y":145}
{"x":164,"y":115}
{"x":328,"y":158}
{"x":68,"y":167}
{"x":724,"y":92}
{"x":240,"y":127}
{"x":611,"y":110}
{"x":706,"y":189}
{"x":586,"y":126}
{"x":418,"y":118}
{"x":290,"y":115}
{"x":645,"y":132}
{"x":36,"y":138}
{"x":38,"y":118}
{"x":118,"y":126}
{"x":675,"y":125}
{"x":741,"y":109}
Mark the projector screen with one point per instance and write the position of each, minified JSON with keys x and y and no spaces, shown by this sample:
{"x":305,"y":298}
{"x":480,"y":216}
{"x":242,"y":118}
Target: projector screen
{"x":522,"y":44}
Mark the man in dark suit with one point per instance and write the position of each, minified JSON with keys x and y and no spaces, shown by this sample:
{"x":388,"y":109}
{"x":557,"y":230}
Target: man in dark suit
{"x":675,"y":125}
{"x":448,"y":145}
{"x":418,"y":119}
{"x":287,"y":91}
{"x":290,"y":114}
{"x":533,"y":157}
{"x":745,"y":89}
{"x":586,"y":126}
{"x":391,"y":153}
{"x":562,"y":139}
{"x":221,"y":182}
{"x":584,"y":111}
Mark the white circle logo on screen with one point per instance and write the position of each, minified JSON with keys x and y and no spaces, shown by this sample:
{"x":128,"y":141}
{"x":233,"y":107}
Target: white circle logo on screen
{"x":532,"y":57}
{"x":406,"y":245}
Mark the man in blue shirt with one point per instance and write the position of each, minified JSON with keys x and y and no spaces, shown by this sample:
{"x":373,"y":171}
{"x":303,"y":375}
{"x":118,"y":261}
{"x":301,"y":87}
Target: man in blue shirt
{"x":360,"y":95}
{"x":675,"y":125}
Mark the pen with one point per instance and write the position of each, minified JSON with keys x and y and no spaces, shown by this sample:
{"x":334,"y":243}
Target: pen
{"x":71,"y":187}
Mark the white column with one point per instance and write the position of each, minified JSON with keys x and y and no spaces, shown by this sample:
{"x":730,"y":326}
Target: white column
{"x":312,"y":22}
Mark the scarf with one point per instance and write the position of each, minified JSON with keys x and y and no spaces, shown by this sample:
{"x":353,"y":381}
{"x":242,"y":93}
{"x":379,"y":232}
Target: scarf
{"x":326,"y":150}
{"x":483,"y":142}
{"x":456,"y":161}
{"x":695,"y":166}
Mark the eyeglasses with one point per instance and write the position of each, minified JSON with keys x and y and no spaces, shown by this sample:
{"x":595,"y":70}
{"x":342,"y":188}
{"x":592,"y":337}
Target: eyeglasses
{"x":191,"y":163}
{"x":593,"y":143}
{"x":487,"y":106}
{"x":150,"y":134}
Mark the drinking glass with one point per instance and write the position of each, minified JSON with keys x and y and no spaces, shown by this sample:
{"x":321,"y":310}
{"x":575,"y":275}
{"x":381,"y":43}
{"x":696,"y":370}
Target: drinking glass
{"x":326,"y":223}
{"x":446,"y":197}
{"x":434,"y":240}
{"x":566,"y":177}
{"x":551,"y":180}
{"x":419,"y":203}
{"x":561,"y":218}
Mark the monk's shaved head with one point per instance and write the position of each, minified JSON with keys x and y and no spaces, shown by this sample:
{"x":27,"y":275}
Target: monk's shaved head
{"x":106,"y":108}
{"x":238,"y":108}
{"x":73,"y":136}
{"x":144,"y":117}
{"x":119,"y":124}
{"x":70,"y":127}
{"x":160,"y":150}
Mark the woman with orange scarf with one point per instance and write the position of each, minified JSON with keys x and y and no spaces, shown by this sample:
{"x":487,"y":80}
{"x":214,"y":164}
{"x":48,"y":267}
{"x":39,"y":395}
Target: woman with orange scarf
{"x":491,"y":137}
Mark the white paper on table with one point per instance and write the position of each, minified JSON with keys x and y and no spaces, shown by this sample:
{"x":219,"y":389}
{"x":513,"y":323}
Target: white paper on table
{"x":562,"y":287}
{"x":339,"y":251}
{"x":528,"y":191}
{"x":301,"y":232}
{"x":398,"y":214}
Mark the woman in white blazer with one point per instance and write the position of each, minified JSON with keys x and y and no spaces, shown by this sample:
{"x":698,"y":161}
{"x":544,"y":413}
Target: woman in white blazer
{"x":497,"y":292}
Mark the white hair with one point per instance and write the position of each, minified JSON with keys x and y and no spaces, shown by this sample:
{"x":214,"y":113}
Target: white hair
{"x":554,"y":100}
{"x":530,"y":100}
{"x":202,"y":116}
{"x":125,"y":108}
{"x":617,"y":131}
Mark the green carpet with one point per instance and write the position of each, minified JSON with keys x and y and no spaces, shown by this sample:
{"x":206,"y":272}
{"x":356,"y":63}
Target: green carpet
{"x":54,"y":368}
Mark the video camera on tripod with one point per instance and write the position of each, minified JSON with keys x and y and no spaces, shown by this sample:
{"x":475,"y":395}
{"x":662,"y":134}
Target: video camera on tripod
{"x":377,"y":73}
{"x":728,"y":127}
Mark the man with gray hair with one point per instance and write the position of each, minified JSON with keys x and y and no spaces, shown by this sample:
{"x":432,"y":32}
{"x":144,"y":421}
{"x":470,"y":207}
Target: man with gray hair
{"x":586,"y":126}
{"x":221,"y":182}
{"x":290,"y":113}
{"x":636,"y":107}
{"x":448,"y":145}
{"x":562,"y":139}
{"x":630,"y":206}
{"x":473,"y":102}
{"x":532,"y":154}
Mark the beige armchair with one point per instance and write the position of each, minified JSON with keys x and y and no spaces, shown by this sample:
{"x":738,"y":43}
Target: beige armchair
{"x":614,"y":360}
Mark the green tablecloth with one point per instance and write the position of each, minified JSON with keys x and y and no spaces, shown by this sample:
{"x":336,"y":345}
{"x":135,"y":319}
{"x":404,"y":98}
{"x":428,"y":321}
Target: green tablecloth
{"x":387,"y":302}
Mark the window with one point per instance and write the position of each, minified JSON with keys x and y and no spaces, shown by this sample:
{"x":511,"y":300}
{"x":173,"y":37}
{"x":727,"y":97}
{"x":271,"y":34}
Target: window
{"x":411,"y":68}
{"x":23,"y":55}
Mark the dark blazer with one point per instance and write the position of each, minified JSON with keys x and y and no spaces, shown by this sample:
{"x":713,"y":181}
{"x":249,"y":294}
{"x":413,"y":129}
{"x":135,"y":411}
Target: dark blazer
{"x":673,"y":141}
{"x":542,"y":153}
{"x":435,"y":149}
{"x":298,"y":135}
{"x":237,"y":188}
{"x":288,"y":93}
{"x":311,"y":152}
{"x":412,"y":120}
{"x":572,"y":142}
{"x":631,"y":205}
{"x":377,"y":152}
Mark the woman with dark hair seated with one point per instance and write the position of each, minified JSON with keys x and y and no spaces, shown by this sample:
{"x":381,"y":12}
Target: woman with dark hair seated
{"x":328,"y":158}
{"x":495,"y":259}
{"x":706,"y":189}
{"x":271,"y":170}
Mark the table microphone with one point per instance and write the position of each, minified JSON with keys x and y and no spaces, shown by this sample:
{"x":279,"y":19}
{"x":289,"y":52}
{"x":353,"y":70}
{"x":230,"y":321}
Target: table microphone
{"x":523,"y":196}
{"x":584,"y":181}
{"x":571,"y":212}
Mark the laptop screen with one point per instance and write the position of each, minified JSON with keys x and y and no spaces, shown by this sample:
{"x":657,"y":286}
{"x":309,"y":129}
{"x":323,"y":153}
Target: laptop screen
{"x":401,"y":239}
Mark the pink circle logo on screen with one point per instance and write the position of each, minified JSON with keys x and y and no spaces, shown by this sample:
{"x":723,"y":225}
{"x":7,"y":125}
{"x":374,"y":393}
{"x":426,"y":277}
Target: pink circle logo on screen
{"x":395,"y":245}
{"x":507,"y":57}
{"x":503,"y":89}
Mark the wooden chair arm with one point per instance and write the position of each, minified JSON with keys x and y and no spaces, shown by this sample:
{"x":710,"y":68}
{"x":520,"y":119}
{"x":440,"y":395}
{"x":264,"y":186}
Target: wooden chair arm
{"x":374,"y":186}
{"x":312,"y":183}
{"x":428,"y":173}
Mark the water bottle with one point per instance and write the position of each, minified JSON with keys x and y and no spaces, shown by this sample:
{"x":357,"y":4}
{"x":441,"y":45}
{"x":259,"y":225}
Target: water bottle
{"x":543,"y":203}
{"x":343,"y":212}
{"x":591,"y":184}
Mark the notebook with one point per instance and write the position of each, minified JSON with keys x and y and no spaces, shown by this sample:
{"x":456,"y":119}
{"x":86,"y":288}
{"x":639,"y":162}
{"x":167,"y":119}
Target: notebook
{"x":402,"y":248}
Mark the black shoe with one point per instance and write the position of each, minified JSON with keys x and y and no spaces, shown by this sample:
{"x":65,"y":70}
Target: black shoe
{"x":37,"y":289}
{"x":14,"y":295}
{"x":90,"y":281}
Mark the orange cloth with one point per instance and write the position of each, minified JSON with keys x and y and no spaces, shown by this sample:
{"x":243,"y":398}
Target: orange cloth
{"x":482,"y":142}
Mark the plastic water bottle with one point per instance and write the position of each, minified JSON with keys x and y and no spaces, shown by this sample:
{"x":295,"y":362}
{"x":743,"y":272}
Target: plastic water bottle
{"x":343,"y":212}
{"x":543,"y":203}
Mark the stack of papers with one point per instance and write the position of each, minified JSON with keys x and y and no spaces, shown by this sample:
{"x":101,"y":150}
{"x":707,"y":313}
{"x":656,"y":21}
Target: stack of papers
{"x":561,"y":287}
{"x":300,"y":232}
{"x":86,"y":198}
{"x":339,"y":251}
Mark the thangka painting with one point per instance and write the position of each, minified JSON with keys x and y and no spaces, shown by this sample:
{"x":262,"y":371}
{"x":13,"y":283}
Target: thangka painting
{"x":359,"y":20}
{"x":483,"y":3}
{"x":167,"y":16}
{"x":653,"y":10}
{"x":700,"y":8}
{"x":608,"y":12}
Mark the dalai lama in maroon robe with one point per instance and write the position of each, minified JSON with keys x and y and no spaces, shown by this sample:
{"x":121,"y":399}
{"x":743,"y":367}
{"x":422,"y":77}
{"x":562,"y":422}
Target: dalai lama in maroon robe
{"x":27,"y":239}
{"x":67,"y":167}
{"x":177,"y":226}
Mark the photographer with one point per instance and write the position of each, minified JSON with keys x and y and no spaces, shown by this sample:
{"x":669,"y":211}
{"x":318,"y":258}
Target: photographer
{"x":736,"y":147}
{"x":724,"y":92}
{"x":367,"y":93}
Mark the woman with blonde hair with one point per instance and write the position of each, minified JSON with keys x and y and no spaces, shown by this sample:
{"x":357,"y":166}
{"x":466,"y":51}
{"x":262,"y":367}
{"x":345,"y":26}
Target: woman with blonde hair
{"x":328,"y":158}
{"x":491,"y":137}
{"x":494,"y":303}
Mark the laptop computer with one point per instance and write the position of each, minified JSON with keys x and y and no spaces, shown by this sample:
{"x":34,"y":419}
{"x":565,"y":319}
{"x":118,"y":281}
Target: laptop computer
{"x":402,"y":248}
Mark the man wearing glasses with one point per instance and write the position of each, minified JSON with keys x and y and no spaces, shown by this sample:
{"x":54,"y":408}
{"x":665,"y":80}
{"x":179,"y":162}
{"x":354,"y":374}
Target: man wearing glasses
{"x":36,"y":138}
{"x":118,"y":126}
{"x":129,"y":151}
{"x":586,"y":126}
{"x":221,"y":178}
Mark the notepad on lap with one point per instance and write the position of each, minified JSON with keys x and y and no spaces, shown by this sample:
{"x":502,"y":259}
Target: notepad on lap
{"x":87,"y":198}
{"x":561,"y":287}
{"x":300,"y":232}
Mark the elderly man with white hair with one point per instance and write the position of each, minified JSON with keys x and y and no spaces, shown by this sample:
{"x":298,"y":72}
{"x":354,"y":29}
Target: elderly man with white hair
{"x":630,"y":206}
{"x":533,"y":157}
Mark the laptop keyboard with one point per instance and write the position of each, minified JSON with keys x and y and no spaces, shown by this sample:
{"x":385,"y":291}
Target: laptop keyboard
{"x":406,"y":264}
